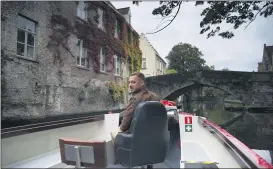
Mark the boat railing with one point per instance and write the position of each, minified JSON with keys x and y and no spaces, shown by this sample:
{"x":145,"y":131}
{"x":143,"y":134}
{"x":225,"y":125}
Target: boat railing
{"x":243,"y":155}
{"x":41,"y":140}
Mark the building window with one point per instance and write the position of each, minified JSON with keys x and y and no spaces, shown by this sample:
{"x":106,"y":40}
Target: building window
{"x":102,"y":60}
{"x":82,"y":59}
{"x":116,"y":29}
{"x":143,"y":63}
{"x":161,"y":66}
{"x":117,"y":65}
{"x":119,"y":28}
{"x":129,"y":36}
{"x":101,"y":16}
{"x":134,"y":39}
{"x":26,"y":35}
{"x":81,"y":10}
{"x":157,"y":64}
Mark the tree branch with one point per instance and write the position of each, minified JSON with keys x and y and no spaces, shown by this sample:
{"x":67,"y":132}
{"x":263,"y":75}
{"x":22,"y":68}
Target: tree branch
{"x":170,"y":20}
{"x":256,"y":15}
{"x":160,"y":23}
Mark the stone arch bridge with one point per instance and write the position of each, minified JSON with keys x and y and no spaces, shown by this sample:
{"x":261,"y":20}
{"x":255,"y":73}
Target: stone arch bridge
{"x":252,"y":88}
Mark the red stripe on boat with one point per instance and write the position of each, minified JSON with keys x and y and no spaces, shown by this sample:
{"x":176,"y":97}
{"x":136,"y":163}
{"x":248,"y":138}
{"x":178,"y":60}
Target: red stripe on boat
{"x":184,"y":113}
{"x":167,"y":103}
{"x":259,"y":160}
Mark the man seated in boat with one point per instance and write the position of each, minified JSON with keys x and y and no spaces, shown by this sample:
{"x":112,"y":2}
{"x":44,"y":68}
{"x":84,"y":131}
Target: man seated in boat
{"x":139,"y":93}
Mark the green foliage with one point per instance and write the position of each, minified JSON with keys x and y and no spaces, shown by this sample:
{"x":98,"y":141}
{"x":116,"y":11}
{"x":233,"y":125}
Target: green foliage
{"x":136,"y":2}
{"x":166,"y":8}
{"x":94,"y":38}
{"x":135,"y":58}
{"x":131,"y":49}
{"x":225,"y":69}
{"x":171,"y":71}
{"x":235,"y":13}
{"x":206,"y":67}
{"x":184,"y":57}
{"x":117,"y":91}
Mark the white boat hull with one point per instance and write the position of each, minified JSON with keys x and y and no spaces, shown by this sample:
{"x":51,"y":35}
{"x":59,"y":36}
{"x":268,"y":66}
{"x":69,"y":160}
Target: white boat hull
{"x":200,"y":145}
{"x":194,"y":142}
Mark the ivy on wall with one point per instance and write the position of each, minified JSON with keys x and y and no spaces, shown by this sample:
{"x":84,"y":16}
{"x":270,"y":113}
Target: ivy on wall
{"x":94,"y":38}
{"x":61,"y":32}
{"x":118,"y":91}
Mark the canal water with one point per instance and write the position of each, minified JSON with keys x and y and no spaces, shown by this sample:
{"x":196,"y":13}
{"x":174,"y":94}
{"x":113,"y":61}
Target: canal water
{"x":215,"y":112}
{"x":254,"y":130}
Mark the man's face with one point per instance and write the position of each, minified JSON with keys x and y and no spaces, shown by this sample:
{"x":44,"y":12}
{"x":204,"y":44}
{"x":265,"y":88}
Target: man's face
{"x":135,"y":84}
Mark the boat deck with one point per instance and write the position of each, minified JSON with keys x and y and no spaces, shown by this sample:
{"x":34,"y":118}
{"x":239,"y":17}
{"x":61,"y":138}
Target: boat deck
{"x":200,"y":148}
{"x":202,"y":145}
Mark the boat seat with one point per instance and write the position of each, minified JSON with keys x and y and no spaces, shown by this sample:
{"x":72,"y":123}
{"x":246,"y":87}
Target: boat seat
{"x":148,"y":139}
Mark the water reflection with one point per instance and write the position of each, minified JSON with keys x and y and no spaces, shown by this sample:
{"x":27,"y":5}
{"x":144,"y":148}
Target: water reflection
{"x":215,"y":112}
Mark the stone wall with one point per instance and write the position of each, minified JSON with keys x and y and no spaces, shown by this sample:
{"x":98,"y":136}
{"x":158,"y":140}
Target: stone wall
{"x":23,"y":80}
{"x":46,"y":85}
{"x":252,"y":88}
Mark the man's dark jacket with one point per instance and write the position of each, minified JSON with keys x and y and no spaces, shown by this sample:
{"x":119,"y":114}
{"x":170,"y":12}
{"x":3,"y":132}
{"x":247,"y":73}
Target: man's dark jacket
{"x":143,"y":95}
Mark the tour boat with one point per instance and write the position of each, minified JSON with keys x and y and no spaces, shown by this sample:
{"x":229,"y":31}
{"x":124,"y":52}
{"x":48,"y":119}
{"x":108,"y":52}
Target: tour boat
{"x":160,"y":137}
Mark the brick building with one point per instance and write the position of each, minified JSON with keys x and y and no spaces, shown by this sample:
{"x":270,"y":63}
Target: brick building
{"x":59,"y":57}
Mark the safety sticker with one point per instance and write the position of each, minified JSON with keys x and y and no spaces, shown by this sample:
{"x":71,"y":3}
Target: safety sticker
{"x":188,"y":120}
{"x":188,"y":128}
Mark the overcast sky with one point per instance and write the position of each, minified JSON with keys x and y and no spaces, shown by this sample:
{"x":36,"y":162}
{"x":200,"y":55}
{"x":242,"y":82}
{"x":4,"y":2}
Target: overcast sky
{"x":241,"y":53}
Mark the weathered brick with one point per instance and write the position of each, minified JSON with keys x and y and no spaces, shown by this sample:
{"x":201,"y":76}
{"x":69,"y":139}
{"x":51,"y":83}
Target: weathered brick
{"x":40,"y":87}
{"x":249,"y":87}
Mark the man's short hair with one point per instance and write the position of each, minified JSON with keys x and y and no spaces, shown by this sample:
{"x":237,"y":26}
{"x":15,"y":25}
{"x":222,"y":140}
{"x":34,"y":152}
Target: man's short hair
{"x":140,"y":75}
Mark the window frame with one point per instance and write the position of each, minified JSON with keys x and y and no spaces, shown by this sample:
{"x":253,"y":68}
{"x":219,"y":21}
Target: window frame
{"x":103,"y":60}
{"x":116,"y":29}
{"x":101,"y":18}
{"x":83,"y":53}
{"x":82,"y":11}
{"x":117,"y":62}
{"x":144,"y":61}
{"x":119,"y":28}
{"x":26,"y":32}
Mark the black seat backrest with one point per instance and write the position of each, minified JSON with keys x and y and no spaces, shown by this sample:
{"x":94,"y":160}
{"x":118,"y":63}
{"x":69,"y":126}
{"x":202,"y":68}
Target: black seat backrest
{"x":149,"y":127}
